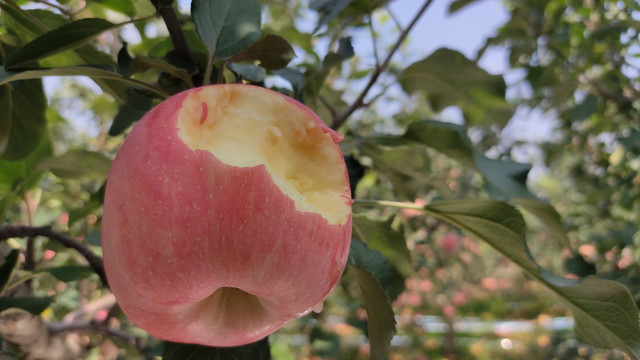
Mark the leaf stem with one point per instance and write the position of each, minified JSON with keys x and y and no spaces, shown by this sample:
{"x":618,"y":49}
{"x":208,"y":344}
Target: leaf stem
{"x":339,"y":120}
{"x":55,"y":6}
{"x":209,"y":69}
{"x":94,"y":260}
{"x":388,"y":203}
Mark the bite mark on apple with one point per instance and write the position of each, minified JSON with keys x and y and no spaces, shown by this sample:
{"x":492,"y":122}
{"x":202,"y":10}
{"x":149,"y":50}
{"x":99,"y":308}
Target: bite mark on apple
{"x":247,"y":127}
{"x":204,"y":111}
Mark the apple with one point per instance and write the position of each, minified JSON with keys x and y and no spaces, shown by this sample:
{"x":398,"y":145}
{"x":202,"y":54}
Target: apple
{"x":227,"y":213}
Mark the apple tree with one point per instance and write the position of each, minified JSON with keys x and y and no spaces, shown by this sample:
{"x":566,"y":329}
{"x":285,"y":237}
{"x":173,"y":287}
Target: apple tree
{"x":433,"y":199}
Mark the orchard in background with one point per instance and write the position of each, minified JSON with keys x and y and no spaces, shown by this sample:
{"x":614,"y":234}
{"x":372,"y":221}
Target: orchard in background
{"x":450,"y":230}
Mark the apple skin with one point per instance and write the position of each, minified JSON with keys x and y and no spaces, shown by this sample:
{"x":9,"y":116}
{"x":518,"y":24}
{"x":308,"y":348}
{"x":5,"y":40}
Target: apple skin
{"x":200,"y":251}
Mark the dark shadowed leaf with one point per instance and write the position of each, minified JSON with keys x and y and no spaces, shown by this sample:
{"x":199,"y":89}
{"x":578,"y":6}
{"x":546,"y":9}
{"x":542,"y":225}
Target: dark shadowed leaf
{"x":295,"y":78}
{"x":227,"y":26}
{"x":373,"y":261}
{"x":6,"y":269}
{"x":23,"y":115}
{"x":69,"y":272}
{"x":448,"y":78}
{"x":34,"y":305}
{"x":124,"y":60}
{"x":255,"y":351}
{"x":249,"y":72}
{"x":66,"y":37}
{"x":328,"y":10}
{"x":136,"y":106}
{"x":380,"y":236}
{"x":604,"y":311}
{"x":77,"y":164}
{"x":273,"y":52}
{"x":381,"y":322}
{"x":345,"y":48}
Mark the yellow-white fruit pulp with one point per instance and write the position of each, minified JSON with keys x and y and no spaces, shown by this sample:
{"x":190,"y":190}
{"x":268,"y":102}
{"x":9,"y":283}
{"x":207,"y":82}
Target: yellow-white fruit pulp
{"x":247,"y":126}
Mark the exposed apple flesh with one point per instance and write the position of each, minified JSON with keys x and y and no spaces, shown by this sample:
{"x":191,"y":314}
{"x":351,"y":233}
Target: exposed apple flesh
{"x":227,"y":213}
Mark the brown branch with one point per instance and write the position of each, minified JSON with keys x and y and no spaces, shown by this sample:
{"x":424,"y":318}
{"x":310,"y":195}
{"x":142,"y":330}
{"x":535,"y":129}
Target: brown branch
{"x":175,"y":30}
{"x":94,"y":260}
{"x":100,"y":328}
{"x":340,"y":119}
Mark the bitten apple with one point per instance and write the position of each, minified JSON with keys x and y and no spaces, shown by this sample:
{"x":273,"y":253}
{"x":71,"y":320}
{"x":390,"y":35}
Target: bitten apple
{"x":227,"y":213}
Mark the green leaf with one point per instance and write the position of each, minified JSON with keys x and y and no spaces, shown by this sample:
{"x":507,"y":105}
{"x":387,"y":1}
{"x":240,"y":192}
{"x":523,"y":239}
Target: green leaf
{"x":143,"y":63}
{"x":6,"y":269}
{"x":22,"y":21}
{"x":227,"y":26}
{"x":69,"y":273}
{"x":34,"y":305}
{"x":548,"y":217}
{"x":404,"y":166}
{"x":381,"y":321}
{"x":20,"y":175}
{"x":136,"y":106}
{"x":457,"y":5}
{"x":379,"y":235}
{"x":24,"y":106}
{"x":77,"y":164}
{"x":504,"y":179}
{"x":604,"y":311}
{"x":66,"y":37}
{"x":249,"y":72}
{"x":90,"y":71}
{"x":448,"y":78}
{"x":124,"y":60}
{"x":585,"y":109}
{"x":273,"y":52}
{"x":391,"y":281}
{"x":254,"y":351}
{"x":295,"y":78}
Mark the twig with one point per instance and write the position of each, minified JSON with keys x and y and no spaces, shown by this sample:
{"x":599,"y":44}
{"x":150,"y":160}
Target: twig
{"x":98,"y":327}
{"x":94,"y":260}
{"x":374,"y":43}
{"x":55,"y":6}
{"x":339,"y":120}
{"x":175,"y":30}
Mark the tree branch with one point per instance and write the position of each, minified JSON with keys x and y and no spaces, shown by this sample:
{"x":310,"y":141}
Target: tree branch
{"x":339,"y":120}
{"x":175,"y":30}
{"x":94,"y":260}
{"x":98,"y":327}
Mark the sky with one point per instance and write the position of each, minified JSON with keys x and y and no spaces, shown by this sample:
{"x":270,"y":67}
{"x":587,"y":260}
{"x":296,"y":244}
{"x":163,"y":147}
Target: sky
{"x":465,"y":30}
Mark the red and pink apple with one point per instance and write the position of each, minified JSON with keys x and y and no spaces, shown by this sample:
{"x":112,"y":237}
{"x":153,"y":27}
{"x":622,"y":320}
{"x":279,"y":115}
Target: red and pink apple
{"x":227,"y":214}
